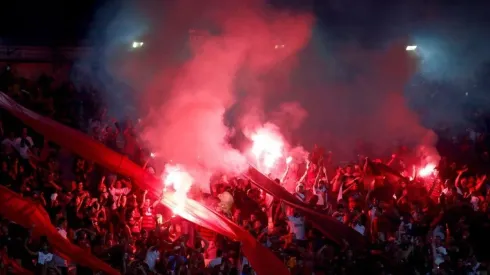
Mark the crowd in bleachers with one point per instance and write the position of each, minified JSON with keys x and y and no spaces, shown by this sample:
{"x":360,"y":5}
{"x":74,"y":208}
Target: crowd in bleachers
{"x":439,"y":229}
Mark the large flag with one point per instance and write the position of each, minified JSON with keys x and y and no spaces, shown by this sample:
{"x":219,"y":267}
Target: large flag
{"x":195,"y":212}
{"x":13,"y":267}
{"x":31,"y":215}
{"x":329,"y":226}
{"x":393,"y":178}
{"x":380,"y":169}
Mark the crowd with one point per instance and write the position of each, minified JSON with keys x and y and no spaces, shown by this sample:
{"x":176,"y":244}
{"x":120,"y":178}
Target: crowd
{"x":415,"y":225}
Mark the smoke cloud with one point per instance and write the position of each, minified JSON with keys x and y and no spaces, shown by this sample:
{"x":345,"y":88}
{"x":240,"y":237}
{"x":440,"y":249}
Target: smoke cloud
{"x":352,"y":95}
{"x":184,"y":87}
{"x":249,"y":64}
{"x":358,"y":96}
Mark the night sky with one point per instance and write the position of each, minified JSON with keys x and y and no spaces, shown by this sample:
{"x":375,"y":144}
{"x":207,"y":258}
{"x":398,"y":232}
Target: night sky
{"x":369,"y":21}
{"x":45,"y":22}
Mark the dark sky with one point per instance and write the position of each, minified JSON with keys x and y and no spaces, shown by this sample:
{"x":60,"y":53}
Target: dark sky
{"x":61,"y":21}
{"x":45,"y":22}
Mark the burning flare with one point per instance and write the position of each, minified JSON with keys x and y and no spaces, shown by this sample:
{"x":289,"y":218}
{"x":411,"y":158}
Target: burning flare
{"x":267,"y":147}
{"x":427,"y":170}
{"x":181,"y":181}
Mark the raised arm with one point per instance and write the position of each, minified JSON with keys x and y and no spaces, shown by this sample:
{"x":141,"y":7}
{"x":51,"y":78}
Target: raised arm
{"x":480,"y":182}
{"x":457,"y":180}
{"x":28,"y":250}
{"x":283,"y":177}
{"x":303,"y":177}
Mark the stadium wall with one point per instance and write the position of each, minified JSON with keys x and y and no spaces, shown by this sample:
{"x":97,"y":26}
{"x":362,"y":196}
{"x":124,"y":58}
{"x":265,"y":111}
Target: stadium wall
{"x":32,"y":61}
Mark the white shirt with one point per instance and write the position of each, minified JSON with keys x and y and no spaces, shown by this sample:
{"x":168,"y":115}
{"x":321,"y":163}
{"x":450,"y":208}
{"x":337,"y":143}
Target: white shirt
{"x":440,"y":253}
{"x":215,"y":262}
{"x":43,"y":258}
{"x":117,"y":193}
{"x":152,"y":258}
{"x":297,"y":227}
{"x":360,"y":228}
{"x":300,"y":196}
{"x":321,"y":193}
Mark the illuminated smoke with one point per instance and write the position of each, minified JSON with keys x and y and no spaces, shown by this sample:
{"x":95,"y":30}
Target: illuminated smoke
{"x":262,"y":64}
{"x":267,"y":147}
{"x":180,"y":181}
{"x":186,"y":93}
{"x":427,"y":170}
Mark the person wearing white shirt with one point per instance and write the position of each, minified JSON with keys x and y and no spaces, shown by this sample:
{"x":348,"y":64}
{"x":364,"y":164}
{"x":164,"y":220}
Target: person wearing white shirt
{"x":438,"y":250}
{"x":44,"y":257}
{"x":359,"y":228}
{"x":440,"y":253}
{"x":320,"y":190}
{"x":117,"y":191}
{"x":300,"y":192}
{"x":296,"y":225}
{"x":152,"y":257}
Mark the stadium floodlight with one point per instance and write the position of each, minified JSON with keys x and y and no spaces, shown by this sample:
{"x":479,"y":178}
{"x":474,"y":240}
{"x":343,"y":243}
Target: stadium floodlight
{"x":137,"y":44}
{"x":411,"y":48}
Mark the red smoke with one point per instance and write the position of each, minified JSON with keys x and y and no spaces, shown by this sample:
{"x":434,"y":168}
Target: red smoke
{"x":252,"y":59}
{"x":188,"y":99}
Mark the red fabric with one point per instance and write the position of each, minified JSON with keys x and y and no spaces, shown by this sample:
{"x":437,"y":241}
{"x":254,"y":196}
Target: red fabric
{"x":206,"y":233}
{"x":380,"y":169}
{"x":385,"y":191}
{"x":31,"y":215}
{"x":17,"y":269}
{"x":329,"y":226}
{"x":262,"y":260}
{"x":148,"y":221}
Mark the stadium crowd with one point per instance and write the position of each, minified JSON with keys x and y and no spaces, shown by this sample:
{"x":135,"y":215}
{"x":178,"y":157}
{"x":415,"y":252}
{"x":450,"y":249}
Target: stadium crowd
{"x":426,"y":225}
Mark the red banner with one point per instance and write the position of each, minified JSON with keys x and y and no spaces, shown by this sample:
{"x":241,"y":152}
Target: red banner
{"x":380,"y":169}
{"x":90,"y":149}
{"x":329,"y":226}
{"x":31,"y":215}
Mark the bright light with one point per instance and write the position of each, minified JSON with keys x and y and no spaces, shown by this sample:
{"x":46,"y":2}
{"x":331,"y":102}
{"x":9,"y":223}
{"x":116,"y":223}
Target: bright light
{"x":181,"y":181}
{"x":411,"y":48}
{"x":427,"y":170}
{"x":137,"y":44}
{"x":152,"y":155}
{"x":289,"y":159}
{"x":267,"y":146}
{"x":279,"y":46}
